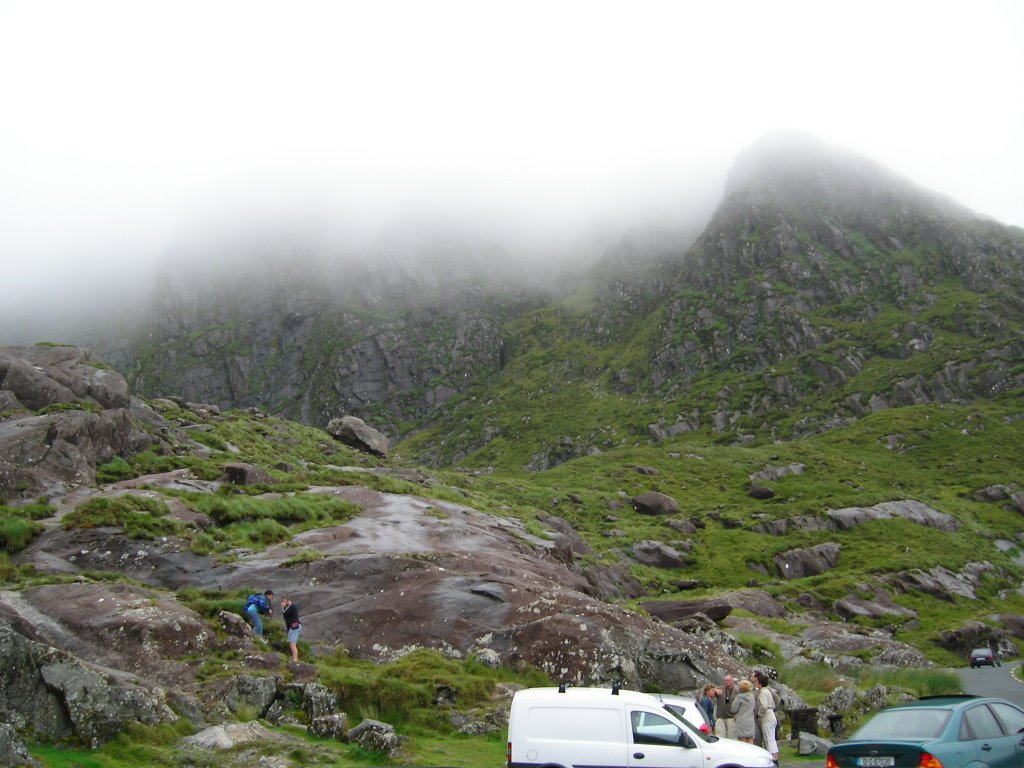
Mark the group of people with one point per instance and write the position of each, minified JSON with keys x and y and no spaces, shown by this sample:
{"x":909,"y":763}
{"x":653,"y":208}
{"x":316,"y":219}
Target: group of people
{"x":257,"y":606}
{"x":743,"y":711}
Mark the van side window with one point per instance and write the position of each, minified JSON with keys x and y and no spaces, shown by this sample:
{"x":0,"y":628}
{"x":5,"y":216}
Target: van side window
{"x":649,"y":728}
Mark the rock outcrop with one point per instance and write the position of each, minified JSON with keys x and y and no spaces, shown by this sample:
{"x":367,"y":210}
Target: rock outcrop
{"x":66,"y":414}
{"x":57,"y":696}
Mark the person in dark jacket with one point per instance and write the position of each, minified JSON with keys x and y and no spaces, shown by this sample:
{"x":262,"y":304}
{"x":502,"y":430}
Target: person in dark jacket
{"x":707,"y":703}
{"x":259,"y":605}
{"x":290,"y":613}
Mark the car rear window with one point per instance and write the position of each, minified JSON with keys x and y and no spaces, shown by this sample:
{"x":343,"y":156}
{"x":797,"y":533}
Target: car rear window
{"x":912,"y":724}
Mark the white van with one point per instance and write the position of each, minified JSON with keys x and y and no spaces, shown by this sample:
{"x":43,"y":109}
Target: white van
{"x":565,"y":727}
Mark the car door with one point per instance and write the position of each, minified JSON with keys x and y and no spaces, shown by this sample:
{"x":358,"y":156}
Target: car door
{"x":1012,"y":720}
{"x":994,"y":747}
{"x":657,"y":742}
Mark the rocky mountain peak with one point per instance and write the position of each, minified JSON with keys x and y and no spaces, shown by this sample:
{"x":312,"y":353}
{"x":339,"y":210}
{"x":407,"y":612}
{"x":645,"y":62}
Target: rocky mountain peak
{"x":802,"y":174}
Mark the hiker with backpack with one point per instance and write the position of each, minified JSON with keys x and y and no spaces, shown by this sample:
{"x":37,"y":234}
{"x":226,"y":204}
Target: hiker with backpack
{"x":256,"y":606}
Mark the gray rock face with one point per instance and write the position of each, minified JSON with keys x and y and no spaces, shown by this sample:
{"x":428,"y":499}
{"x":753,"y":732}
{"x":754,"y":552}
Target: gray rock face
{"x":915,"y":511}
{"x":46,"y":454}
{"x":832,"y":642}
{"x":13,"y":751}
{"x":880,"y":605}
{"x":45,"y":375}
{"x":57,"y":696}
{"x":940,"y":582}
{"x":658,"y":554}
{"x":847,"y":518}
{"x":355,"y":433}
{"x":797,"y":563}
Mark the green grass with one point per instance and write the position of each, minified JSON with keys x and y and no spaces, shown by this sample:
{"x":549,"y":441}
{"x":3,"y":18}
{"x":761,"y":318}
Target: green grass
{"x":140,"y":517}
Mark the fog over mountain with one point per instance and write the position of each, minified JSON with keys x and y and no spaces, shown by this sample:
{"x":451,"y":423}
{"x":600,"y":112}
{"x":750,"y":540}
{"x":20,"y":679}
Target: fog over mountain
{"x":140,"y":135}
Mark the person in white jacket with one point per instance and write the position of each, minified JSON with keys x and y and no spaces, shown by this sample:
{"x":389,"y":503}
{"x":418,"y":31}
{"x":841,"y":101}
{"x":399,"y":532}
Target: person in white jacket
{"x":765,"y":711}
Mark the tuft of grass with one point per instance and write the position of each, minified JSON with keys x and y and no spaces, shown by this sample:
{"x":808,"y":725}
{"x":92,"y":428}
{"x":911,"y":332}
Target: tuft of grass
{"x":18,"y":526}
{"x":114,"y":471}
{"x":140,"y":517}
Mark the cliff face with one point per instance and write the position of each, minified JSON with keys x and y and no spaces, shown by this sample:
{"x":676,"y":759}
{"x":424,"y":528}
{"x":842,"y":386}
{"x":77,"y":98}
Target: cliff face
{"x":822,"y":284}
{"x":385,"y":339}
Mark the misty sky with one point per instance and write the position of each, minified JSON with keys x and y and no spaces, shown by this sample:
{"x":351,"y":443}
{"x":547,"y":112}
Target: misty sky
{"x":124,"y":122}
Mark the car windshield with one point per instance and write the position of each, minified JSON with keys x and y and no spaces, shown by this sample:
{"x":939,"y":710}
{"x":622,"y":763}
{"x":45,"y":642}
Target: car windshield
{"x":904,"y":724}
{"x":981,"y":652}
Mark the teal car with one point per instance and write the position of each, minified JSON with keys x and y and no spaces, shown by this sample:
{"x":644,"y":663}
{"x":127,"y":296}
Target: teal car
{"x":937,"y":732}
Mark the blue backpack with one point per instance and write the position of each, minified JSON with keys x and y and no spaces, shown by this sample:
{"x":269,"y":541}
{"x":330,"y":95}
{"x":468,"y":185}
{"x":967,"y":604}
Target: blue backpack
{"x":259,"y":601}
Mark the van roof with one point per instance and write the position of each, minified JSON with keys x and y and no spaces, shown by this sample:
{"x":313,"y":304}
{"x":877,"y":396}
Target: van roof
{"x":589,"y":694}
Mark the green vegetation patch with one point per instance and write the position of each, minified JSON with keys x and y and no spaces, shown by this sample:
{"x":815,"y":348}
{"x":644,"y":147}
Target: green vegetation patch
{"x":18,"y":525}
{"x":141,"y":517}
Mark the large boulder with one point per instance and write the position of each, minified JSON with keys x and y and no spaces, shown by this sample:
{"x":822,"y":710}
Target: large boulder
{"x":355,"y":433}
{"x":797,"y":563}
{"x":655,"y":503}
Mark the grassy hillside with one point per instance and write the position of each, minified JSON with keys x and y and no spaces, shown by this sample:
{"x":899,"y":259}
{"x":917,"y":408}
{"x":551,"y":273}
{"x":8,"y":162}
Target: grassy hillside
{"x":937,"y":454}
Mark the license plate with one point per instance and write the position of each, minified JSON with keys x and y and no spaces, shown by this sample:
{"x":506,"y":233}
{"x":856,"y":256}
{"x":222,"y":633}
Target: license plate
{"x":876,"y":762}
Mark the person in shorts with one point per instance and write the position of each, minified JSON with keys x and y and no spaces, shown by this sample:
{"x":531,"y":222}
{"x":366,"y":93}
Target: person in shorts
{"x":290,"y":613}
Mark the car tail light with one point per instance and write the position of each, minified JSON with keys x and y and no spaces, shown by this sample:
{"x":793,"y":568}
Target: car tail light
{"x":508,"y":754}
{"x":929,"y":760}
{"x":830,"y":761}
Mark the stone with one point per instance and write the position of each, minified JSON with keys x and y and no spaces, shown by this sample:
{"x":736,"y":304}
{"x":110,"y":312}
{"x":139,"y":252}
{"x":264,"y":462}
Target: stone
{"x":355,"y":433}
{"x":811,"y":744}
{"x":318,"y":700}
{"x":240,"y":473}
{"x":657,"y":554}
{"x":374,"y":736}
{"x":812,"y":561}
{"x":655,"y":503}
{"x":334,"y":726}
{"x":230,"y":735}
